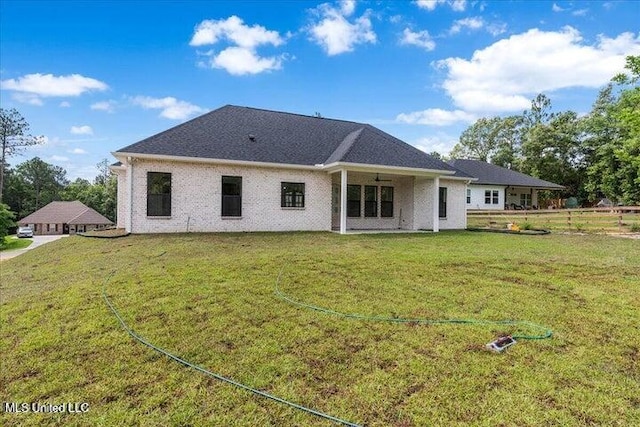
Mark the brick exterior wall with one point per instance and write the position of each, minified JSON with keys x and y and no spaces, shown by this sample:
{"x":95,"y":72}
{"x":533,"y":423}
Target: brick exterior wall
{"x":57,"y":229}
{"x":456,"y":205}
{"x":196,"y":194}
{"x":122,"y":210}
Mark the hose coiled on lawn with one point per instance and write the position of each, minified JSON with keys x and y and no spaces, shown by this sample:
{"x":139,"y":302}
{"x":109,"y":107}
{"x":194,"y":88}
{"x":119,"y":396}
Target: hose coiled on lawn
{"x":175,"y":358}
{"x":545,"y":332}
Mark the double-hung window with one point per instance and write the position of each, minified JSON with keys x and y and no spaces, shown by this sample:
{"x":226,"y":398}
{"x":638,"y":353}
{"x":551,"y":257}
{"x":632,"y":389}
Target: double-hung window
{"x":468,"y":196}
{"x":353,"y":200}
{"x":386,"y":202}
{"x":158,"y":194}
{"x":491,"y":197}
{"x":370,"y":201}
{"x":442,"y":202}
{"x":292,"y":195}
{"x":232,"y":196}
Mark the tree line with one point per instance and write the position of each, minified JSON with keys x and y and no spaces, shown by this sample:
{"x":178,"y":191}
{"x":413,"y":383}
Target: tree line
{"x":594,"y":156}
{"x":35,"y":183}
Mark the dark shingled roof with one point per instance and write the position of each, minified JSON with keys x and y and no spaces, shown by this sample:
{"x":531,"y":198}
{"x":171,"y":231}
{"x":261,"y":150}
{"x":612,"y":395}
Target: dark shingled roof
{"x":255,"y":135}
{"x":489,"y":174}
{"x":65,"y":213}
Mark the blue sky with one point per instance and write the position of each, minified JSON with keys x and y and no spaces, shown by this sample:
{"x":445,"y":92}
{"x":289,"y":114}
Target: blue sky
{"x":95,"y":76}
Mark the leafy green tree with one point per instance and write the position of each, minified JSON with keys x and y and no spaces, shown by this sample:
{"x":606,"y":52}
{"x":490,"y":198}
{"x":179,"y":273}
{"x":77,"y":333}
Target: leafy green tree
{"x":627,"y":116}
{"x":99,"y":195}
{"x":612,"y":141}
{"x":44,"y":182}
{"x":14,"y":136}
{"x":495,"y":139}
{"x":599,"y":147}
{"x":508,"y":143}
{"x":478,"y":140}
{"x":15,"y":193}
{"x":6,"y":221}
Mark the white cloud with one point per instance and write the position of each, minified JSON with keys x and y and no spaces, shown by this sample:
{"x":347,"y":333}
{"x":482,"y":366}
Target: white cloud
{"x":436,"y":117}
{"x":77,"y":151}
{"x":108,"y":106}
{"x":477,"y":23}
{"x":171,"y":107}
{"x":347,"y":7}
{"x":241,"y":57}
{"x":472,"y":23}
{"x":496,"y":28}
{"x":336,"y":34}
{"x":421,"y":39}
{"x":441,"y":142}
{"x":57,"y":158}
{"x":48,"y":85}
{"x":456,"y":5}
{"x":81,"y":130}
{"x":240,"y":60}
{"x":428,"y":4}
{"x":507,"y":74}
{"x":27,"y":98}
{"x":577,"y":12}
{"x":234,"y":30}
{"x":64,"y":104}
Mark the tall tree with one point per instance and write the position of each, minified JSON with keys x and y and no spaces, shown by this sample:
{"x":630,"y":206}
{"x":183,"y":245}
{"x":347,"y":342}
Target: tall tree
{"x":598,"y":148}
{"x":45,"y":182}
{"x":478,"y":140}
{"x":612,"y":142}
{"x":14,"y":136}
{"x":99,"y":195}
{"x":508,"y":143}
{"x":6,"y":221}
{"x":551,"y":146}
{"x":495,"y":139}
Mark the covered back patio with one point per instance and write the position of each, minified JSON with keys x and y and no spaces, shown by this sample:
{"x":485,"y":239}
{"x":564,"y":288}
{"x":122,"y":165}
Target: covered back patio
{"x":366,"y":198}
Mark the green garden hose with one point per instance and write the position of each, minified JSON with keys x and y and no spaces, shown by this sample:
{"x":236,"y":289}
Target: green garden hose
{"x":545,"y":332}
{"x":214,"y":375}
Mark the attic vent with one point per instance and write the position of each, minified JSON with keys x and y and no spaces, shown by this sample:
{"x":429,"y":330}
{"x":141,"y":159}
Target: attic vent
{"x":252,"y":137}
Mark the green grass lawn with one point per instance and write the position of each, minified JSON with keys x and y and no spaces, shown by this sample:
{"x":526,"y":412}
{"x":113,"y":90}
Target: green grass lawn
{"x":210,"y":300}
{"x":12,"y":242}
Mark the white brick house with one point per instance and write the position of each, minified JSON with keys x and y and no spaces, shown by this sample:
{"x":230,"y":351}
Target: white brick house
{"x":244,"y":169}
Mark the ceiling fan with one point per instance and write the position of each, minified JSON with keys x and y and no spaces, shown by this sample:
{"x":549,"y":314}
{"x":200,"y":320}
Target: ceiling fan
{"x":381,"y":180}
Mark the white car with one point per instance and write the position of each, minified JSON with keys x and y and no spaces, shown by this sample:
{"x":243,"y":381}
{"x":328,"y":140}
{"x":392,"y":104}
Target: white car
{"x":25,"y":232}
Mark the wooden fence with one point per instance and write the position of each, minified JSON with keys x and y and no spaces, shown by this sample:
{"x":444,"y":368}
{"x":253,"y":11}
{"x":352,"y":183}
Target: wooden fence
{"x":621,"y":219}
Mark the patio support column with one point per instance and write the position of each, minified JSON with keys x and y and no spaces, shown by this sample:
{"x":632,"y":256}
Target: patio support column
{"x":343,"y":201}
{"x":436,"y":204}
{"x":129,"y":209}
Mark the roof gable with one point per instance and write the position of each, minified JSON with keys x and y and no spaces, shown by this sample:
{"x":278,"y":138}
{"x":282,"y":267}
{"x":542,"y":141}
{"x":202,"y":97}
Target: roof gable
{"x":255,"y":135}
{"x":489,"y":174}
{"x":74,"y":212}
